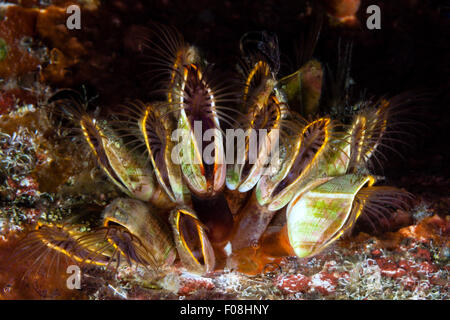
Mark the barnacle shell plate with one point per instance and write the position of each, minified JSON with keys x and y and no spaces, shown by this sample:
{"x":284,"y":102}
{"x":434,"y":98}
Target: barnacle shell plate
{"x":321,"y":215}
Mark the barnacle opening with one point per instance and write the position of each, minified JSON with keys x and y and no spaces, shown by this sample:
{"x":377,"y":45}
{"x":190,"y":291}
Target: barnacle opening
{"x":197,"y":98}
{"x":202,"y":165}
{"x":258,"y":84}
{"x":365,"y":135}
{"x":315,"y":137}
{"x":267,"y":118}
{"x":93,"y":136}
{"x":193,"y":245}
{"x":155,"y":129}
{"x":190,"y":234}
{"x":301,"y":164}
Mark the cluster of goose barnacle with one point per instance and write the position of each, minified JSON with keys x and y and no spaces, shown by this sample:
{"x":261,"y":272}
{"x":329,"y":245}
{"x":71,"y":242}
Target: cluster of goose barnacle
{"x":320,"y":182}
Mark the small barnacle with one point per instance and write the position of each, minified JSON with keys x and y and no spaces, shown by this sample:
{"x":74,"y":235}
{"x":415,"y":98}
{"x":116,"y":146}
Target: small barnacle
{"x":262,"y":107}
{"x":194,"y":248}
{"x":310,"y":147}
{"x":251,"y":168}
{"x":258,"y":84}
{"x":377,"y":126}
{"x":156,"y":128}
{"x":251,"y":163}
{"x":365,"y":134}
{"x":141,"y":229}
{"x":194,"y":104}
{"x":125,"y":171}
{"x":198,"y":106}
{"x":321,"y":215}
{"x":149,"y":127}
